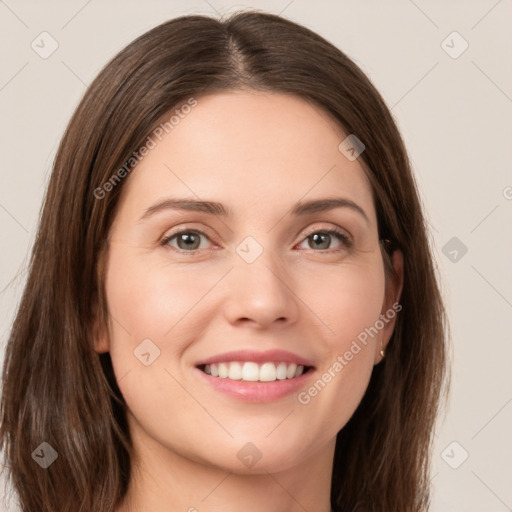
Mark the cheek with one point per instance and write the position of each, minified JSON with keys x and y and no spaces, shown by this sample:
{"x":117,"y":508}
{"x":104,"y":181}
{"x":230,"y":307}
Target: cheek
{"x":151,"y":299}
{"x":347,"y":300}
{"x":153,"y":317}
{"x":151,"y":324}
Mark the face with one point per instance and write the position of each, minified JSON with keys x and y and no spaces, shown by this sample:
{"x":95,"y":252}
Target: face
{"x":217,"y":309}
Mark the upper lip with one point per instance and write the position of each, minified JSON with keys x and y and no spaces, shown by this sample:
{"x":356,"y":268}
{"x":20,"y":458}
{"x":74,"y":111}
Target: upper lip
{"x":267,"y":356}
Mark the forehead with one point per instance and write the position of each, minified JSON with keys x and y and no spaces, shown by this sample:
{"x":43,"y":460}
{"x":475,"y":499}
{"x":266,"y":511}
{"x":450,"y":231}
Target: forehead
{"x":249,"y":148}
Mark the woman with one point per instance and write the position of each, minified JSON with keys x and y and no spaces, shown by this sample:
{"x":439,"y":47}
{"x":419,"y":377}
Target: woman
{"x":232,"y":301}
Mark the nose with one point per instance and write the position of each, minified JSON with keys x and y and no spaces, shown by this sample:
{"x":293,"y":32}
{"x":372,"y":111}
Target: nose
{"x":260,"y":294}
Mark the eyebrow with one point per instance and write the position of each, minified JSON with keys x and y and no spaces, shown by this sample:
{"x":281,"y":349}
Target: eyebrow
{"x":214,"y":208}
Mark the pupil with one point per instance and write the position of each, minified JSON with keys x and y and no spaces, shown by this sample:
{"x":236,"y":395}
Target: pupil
{"x":189,"y":240}
{"x":317,"y":237}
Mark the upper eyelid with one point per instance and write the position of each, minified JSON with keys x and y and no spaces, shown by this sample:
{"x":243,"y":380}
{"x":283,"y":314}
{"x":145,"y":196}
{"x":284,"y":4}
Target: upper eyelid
{"x":305,"y":230}
{"x":344,"y":231}
{"x":186,"y":230}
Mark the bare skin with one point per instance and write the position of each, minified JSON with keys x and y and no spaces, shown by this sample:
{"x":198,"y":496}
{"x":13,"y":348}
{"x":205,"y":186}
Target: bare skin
{"x":258,"y":154}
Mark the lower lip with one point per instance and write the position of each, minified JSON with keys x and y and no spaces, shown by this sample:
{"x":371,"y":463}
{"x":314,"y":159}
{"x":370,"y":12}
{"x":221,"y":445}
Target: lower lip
{"x":257,"y":391}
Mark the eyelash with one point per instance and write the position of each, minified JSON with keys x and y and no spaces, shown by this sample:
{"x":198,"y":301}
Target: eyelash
{"x":340,"y":235}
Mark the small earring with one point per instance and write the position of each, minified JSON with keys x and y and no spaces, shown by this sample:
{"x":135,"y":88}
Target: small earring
{"x":382,"y":353}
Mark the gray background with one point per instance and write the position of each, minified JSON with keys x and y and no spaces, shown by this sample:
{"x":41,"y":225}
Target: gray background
{"x":455,"y":116}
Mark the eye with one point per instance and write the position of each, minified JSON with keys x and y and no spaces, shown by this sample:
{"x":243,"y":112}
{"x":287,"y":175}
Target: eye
{"x":187,"y":240}
{"x":322,"y":238}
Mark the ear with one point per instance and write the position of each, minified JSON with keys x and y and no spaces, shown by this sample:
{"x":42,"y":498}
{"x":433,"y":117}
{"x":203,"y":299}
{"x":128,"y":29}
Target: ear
{"x":101,"y":342}
{"x":391,"y":306}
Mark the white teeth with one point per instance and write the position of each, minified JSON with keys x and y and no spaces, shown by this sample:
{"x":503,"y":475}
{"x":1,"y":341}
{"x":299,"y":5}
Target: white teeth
{"x":290,"y":371}
{"x":235,"y":371}
{"x":252,"y":372}
{"x":223,"y":370}
{"x":268,"y":372}
{"x":281,"y":371}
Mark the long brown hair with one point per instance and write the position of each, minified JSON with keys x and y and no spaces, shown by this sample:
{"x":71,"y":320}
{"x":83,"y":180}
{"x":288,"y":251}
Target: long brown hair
{"x":58,"y":390}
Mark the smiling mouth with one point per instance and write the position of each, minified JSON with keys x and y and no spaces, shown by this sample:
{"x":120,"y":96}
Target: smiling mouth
{"x":254,"y":372}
